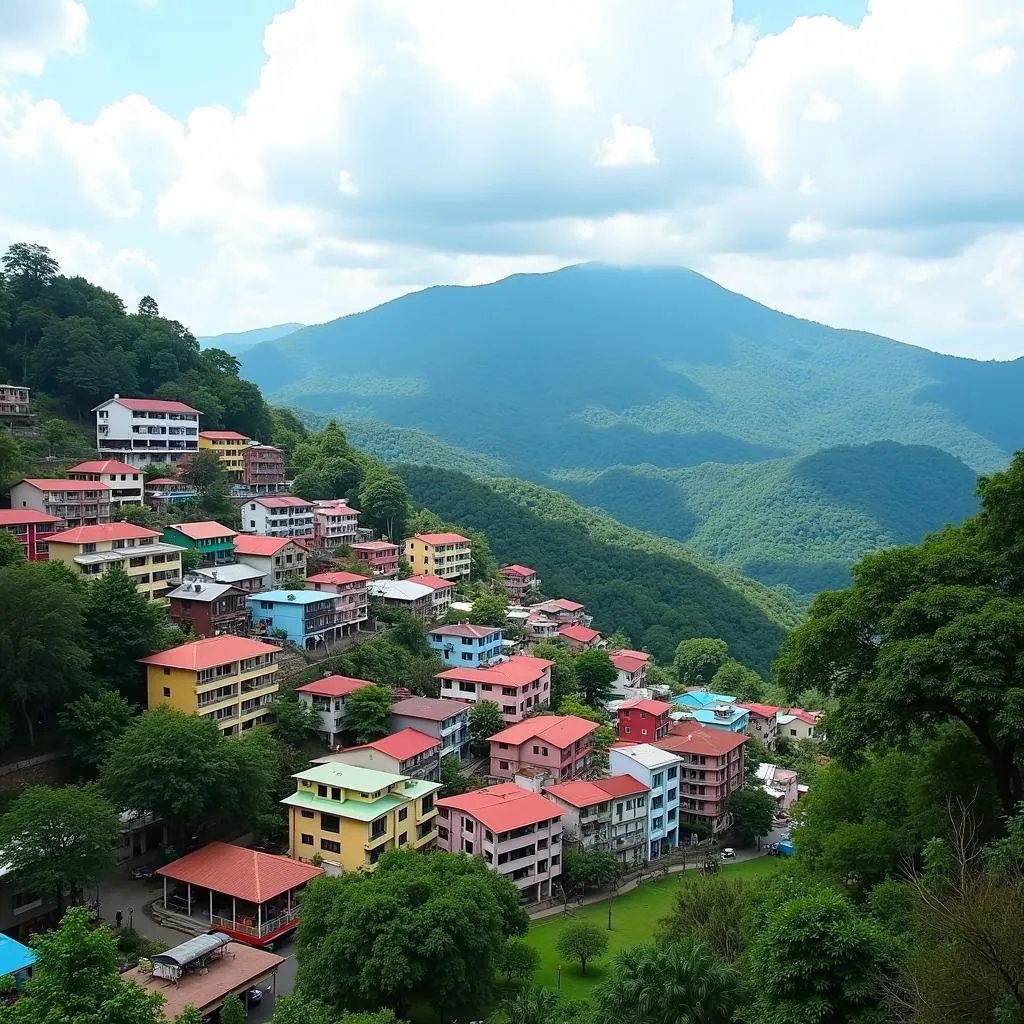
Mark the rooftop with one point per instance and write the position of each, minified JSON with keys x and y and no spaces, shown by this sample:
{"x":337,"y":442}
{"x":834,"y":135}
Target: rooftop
{"x":335,"y":505}
{"x":373,"y":545}
{"x":807,"y":717}
{"x":284,"y":501}
{"x":558,"y":730}
{"x":336,"y":578}
{"x":761,"y":710}
{"x":648,"y":755}
{"x":120,"y":554}
{"x":24,"y":516}
{"x":223,"y":435}
{"x":578,"y":794}
{"x":399,"y":590}
{"x":627,"y":661}
{"x":431,"y":709}
{"x":404,"y":744}
{"x":504,"y":807}
{"x":148,"y":405}
{"x":106,"y":466}
{"x":559,"y":604}
{"x":518,"y":570}
{"x":47,"y":484}
{"x":703,"y":698}
{"x":203,"y":589}
{"x":208,"y":653}
{"x":519,"y":670}
{"x":440,"y":538}
{"x":166,"y":481}
{"x":103,"y":532}
{"x":233,"y":573}
{"x":579,"y":633}
{"x":14,"y":956}
{"x":205,"y":530}
{"x":293,"y":597}
{"x":434,"y":582}
{"x":258,"y":546}
{"x":622,"y":785}
{"x":464,"y":629}
{"x":692,"y":738}
{"x":334,"y":686}
{"x":652,"y":707}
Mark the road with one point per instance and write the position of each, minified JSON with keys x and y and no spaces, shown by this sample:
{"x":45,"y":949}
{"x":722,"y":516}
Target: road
{"x":285,"y":983}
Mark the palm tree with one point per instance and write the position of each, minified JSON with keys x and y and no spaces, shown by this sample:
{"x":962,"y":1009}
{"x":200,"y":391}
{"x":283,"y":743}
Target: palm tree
{"x":533,"y":1005}
{"x":681,"y":983}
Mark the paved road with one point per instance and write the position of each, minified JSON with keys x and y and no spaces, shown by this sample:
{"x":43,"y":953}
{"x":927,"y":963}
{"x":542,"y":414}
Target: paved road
{"x":285,"y":984}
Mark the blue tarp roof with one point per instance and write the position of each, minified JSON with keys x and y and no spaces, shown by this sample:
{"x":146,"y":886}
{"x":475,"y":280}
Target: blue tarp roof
{"x":14,"y":956}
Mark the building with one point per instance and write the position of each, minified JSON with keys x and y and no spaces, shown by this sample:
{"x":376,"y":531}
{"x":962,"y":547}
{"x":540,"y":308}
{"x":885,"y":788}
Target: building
{"x":781,"y":784}
{"x":763,"y":723}
{"x":643,"y":720}
{"x":580,"y":638}
{"x":263,"y":468}
{"x":406,"y":752}
{"x":716,"y":710}
{"x":213,"y":543}
{"x":230,"y":446}
{"x":16,"y":960}
{"x":125,"y":482}
{"x":141,"y":431}
{"x":351,"y":816}
{"x":659,"y":771}
{"x":335,"y":525}
{"x":629,"y":819}
{"x":632,"y":669}
{"x":15,"y":403}
{"x":24,"y":911}
{"x":278,"y":558}
{"x":443,"y":592}
{"x":349,"y":589}
{"x":608,"y":815}
{"x":538,"y":629}
{"x":711,"y":771}
{"x":31,"y":529}
{"x":163,"y":492}
{"x":516,"y":685}
{"x":329,"y":696}
{"x":463,"y":644}
{"x":229,"y":679}
{"x":278,"y":516}
{"x":520,"y":582}
{"x":245,"y":577}
{"x":154,"y":567}
{"x":415,"y":598}
{"x":517,"y":832}
{"x":560,"y":746}
{"x":76,"y":502}
{"x":209,"y":608}
{"x":246,"y":894}
{"x":563,"y":611}
{"x":445,"y":720}
{"x":303,"y":617}
{"x":439,"y":554}
{"x":380,"y":556}
{"x":797,"y":724}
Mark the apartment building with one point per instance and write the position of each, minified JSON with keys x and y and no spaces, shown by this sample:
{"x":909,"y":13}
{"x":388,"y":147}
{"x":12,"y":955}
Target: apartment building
{"x":245,"y":577}
{"x":716,"y":710}
{"x":414,"y":598}
{"x":213,"y":543}
{"x":563,"y":611}
{"x":643,"y":720}
{"x":520,"y":582}
{"x":335,"y":524}
{"x":208,"y":608}
{"x":350,"y":593}
{"x":763,"y":723}
{"x":329,"y":696}
{"x":445,"y":720}
{"x":305,"y":617}
{"x":164,"y":492}
{"x":559,"y":746}
{"x":632,"y":671}
{"x":443,"y":591}
{"x":516,"y":685}
{"x":446,"y":555}
{"x":629,"y":818}
{"x":141,"y":431}
{"x":31,"y":529}
{"x":278,"y":558}
{"x":229,"y":446}
{"x":15,"y":403}
{"x":278,"y":516}
{"x":407,"y":752}
{"x":76,"y":502}
{"x":465,"y":644}
{"x":381,"y":557}
{"x":351,"y":816}
{"x":231,"y":680}
{"x":658,"y":770}
{"x":263,"y":468}
{"x":126,"y":483}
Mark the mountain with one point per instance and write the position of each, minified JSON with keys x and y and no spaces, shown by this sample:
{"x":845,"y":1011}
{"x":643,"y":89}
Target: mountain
{"x":240,"y":341}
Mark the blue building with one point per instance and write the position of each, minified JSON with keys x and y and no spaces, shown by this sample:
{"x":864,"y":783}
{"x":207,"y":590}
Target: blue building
{"x":717,"y":710}
{"x":466,"y":646}
{"x":305,"y":617}
{"x":16,"y":960}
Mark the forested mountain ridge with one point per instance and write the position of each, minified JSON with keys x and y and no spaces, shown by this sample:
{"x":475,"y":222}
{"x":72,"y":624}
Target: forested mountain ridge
{"x":237,"y":342}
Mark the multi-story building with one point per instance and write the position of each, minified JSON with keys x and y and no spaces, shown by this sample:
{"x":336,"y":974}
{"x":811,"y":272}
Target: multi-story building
{"x":632,"y":669}
{"x":798,"y":724}
{"x":516,"y":685}
{"x":520,"y":581}
{"x":629,"y":820}
{"x":305,"y":618}
{"x":711,"y":770}
{"x":329,"y":696}
{"x":278,"y":558}
{"x":447,"y":555}
{"x":415,"y":598}
{"x":563,"y":611}
{"x":559,"y":746}
{"x":764,"y":722}
{"x":349,"y":589}
{"x":643,"y":720}
{"x":609,"y":815}
{"x":229,"y":679}
{"x":125,"y":482}
{"x":31,"y":529}
{"x":90,"y":551}
{"x":229,"y":445}
{"x":539,"y":629}
{"x":658,"y":770}
{"x":443,"y":591}
{"x":76,"y":502}
{"x":580,"y":638}
{"x":278,"y":516}
{"x":164,"y":492}
{"x":15,"y":403}
{"x":406,"y":752}
{"x":208,"y":608}
{"x":244,"y":577}
{"x":445,"y":720}
{"x":213,"y":543}
{"x":464,"y":644}
{"x":141,"y":431}
{"x":263,"y":468}
{"x":380,"y":556}
{"x":517,"y":832}
{"x":717,"y":710}
{"x":351,"y":816}
{"x":781,"y":784}
{"x":335,"y":524}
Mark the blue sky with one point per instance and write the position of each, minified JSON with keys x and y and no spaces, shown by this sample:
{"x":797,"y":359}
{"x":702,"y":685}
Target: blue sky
{"x":250,"y":162}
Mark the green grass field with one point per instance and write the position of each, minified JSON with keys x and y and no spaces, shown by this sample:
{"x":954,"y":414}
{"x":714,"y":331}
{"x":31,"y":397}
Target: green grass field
{"x":635,"y":917}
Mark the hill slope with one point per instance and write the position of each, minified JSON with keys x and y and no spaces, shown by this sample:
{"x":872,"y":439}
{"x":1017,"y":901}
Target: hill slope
{"x":239,"y":341}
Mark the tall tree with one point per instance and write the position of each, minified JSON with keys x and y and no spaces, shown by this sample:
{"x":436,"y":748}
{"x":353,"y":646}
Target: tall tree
{"x":698,"y":659}
{"x":583,"y":941}
{"x":489,"y":610}
{"x":232,"y":1011}
{"x":29,"y":267}
{"x":712,"y":909}
{"x":563,"y":672}
{"x":368,"y":713}
{"x":11,"y":551}
{"x":595,"y":674}
{"x":92,"y":724}
{"x":384,"y":504}
{"x":533,"y":1005}
{"x":752,"y":812}
{"x":203,"y":469}
{"x":734,"y":678}
{"x":148,"y":306}
{"x":484,"y":721}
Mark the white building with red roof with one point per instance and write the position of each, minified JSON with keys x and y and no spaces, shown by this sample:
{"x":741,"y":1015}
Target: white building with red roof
{"x":329,"y":696}
{"x":609,"y":815}
{"x":520,"y":581}
{"x":277,"y":558}
{"x":563,"y":611}
{"x":443,"y":591}
{"x":77,"y":502}
{"x":278,"y":516}
{"x":515,"y":684}
{"x":447,"y":555}
{"x":560,"y":746}
{"x":126,"y":483}
{"x":632,"y":669}
{"x":798,"y":724}
{"x":517,"y":832}
{"x":405,"y":752}
{"x":141,"y":431}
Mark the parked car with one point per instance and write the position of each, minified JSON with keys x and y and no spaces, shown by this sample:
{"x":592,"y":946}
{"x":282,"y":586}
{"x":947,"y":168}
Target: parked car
{"x":255,"y":996}
{"x":728,"y":853}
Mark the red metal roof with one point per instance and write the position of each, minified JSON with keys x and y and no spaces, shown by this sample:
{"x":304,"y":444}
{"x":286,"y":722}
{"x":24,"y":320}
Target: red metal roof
{"x":464,"y":629}
{"x":236,"y":871}
{"x":102,"y":532}
{"x":105,"y":466}
{"x":622,"y":785}
{"x":504,"y":807}
{"x":639,"y":655}
{"x":520,"y":670}
{"x":283,"y":502}
{"x":166,"y":480}
{"x":25,"y":516}
{"x":337,"y":578}
{"x":151,"y":405}
{"x":627,"y":661}
{"x":334,"y":686}
{"x":431,"y":709}
{"x":579,"y":633}
{"x":558,"y":730}
{"x":807,"y":717}
{"x":257,"y":544}
{"x":652,"y":707}
{"x":223,"y":435}
{"x":761,"y":710}
{"x":404,"y":744}
{"x":214,"y":650}
{"x":567,"y":605}
{"x":518,"y":570}
{"x":441,"y":538}
{"x":434,"y":582}
{"x":374,"y":545}
{"x":44,"y":484}
{"x":579,"y":794}
{"x":691,"y":738}
{"x":205,"y":530}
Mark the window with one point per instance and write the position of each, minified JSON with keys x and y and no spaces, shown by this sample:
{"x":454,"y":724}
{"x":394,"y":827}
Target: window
{"x":508,"y":709}
{"x":503,"y":765}
{"x":442,"y":832}
{"x":628,"y":730}
{"x":167,"y":671}
{"x":403,"y":838}
{"x":167,"y":691}
{"x":26,"y":900}
{"x":308,"y":814}
{"x":488,"y":835}
{"x":378,"y":828}
{"x":330,"y":823}
{"x":321,"y":791}
{"x":657,"y":779}
{"x":467,"y":845}
{"x":307,"y":839}
{"x":556,"y":860}
{"x":335,"y":793}
{"x":330,"y":845}
{"x":672,"y":772}
{"x":403,"y":813}
{"x":468,"y":825}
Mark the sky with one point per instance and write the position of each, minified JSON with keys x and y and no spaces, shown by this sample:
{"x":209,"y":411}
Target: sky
{"x":251,"y":162}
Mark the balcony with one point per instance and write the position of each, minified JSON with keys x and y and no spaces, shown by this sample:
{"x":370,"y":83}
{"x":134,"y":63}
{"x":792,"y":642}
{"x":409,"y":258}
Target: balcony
{"x":265,"y":928}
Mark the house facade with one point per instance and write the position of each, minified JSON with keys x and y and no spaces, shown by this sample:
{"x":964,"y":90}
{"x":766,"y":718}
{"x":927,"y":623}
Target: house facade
{"x":350,"y":590}
{"x":164,"y":492}
{"x":213,"y":543}
{"x":142,"y":431}
{"x":15,"y":402}
{"x":643,"y":720}
{"x":446,"y":555}
{"x":230,"y":447}
{"x":608,"y":815}
{"x":443,"y":591}
{"x":781,"y":784}
{"x":329,"y":697}
{"x":381,"y":557}
{"x":563,"y":611}
{"x":520,"y":582}
{"x":559,"y":746}
{"x":31,"y":529}
{"x":276,"y":557}
{"x":465,"y":644}
{"x":263,"y":468}
{"x":445,"y":720}
{"x":658,"y":770}
{"x":632,"y":671}
{"x":278,"y":516}
{"x":407,"y":752}
{"x":208,"y":608}
{"x":306,"y":618}
{"x":125,"y":483}
{"x":796,"y":724}
{"x":516,"y":685}
{"x":76,"y":502}
{"x":715,"y":710}
{"x":335,"y":524}
{"x":629,"y":818}
{"x":763,"y":723}
{"x":580,"y":638}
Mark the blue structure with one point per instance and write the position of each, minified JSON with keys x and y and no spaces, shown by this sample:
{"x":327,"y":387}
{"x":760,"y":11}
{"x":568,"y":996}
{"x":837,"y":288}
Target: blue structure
{"x":306,"y":617}
{"x":717,"y":710}
{"x":785,"y":848}
{"x":466,"y":646}
{"x":16,"y":960}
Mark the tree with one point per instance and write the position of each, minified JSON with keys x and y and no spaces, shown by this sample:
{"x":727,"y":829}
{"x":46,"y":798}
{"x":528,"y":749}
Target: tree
{"x":148,"y":306}
{"x":296,"y":721}
{"x":672,"y":984}
{"x":755,"y":754}
{"x":369,"y":711}
{"x":453,"y":782}
{"x":11,"y":551}
{"x":384,"y":504}
{"x":713,"y":909}
{"x":590,"y":869}
{"x":734,"y":678}
{"x":484,"y":721}
{"x":30,"y":266}
{"x":59,"y":841}
{"x":421,"y":927}
{"x":595,"y":674}
{"x":232,"y":1011}
{"x":293,"y":581}
{"x":752,"y":812}
{"x":698,"y":659}
{"x":533,"y":1005}
{"x":92,"y":724}
{"x":489,"y":610}
{"x":563,"y":672}
{"x":189,"y":559}
{"x":582,"y":941}
{"x":181,"y":768}
{"x":518,"y":960}
{"x":202,"y":469}
{"x":190,"y":1015}
{"x":11,"y":459}
{"x":137,"y":515}
{"x":75,"y":979}
{"x":410,"y":631}
{"x":214,"y":502}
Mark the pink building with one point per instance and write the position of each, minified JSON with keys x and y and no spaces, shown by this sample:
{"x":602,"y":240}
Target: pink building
{"x":515,"y":685}
{"x":31,"y":529}
{"x":350,"y":590}
{"x":335,"y":524}
{"x":643,"y":720}
{"x":77,"y":502}
{"x":517,"y":832}
{"x":561,"y":746}
{"x":563,"y":611}
{"x":380,"y":556}
{"x":519,"y":581}
{"x":580,"y":637}
{"x":763,"y":722}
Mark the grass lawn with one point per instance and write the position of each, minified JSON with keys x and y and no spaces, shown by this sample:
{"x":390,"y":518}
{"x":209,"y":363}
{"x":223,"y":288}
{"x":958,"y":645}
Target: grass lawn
{"x":635,"y":917}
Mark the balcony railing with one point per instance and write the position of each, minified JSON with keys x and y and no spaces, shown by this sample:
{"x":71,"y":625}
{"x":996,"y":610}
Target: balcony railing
{"x":265,"y":928}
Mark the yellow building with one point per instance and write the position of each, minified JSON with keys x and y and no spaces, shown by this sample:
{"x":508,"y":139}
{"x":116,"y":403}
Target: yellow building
{"x":229,"y":445}
{"x":230,"y":679}
{"x":446,"y":555}
{"x":154,"y":567}
{"x":350,"y":816}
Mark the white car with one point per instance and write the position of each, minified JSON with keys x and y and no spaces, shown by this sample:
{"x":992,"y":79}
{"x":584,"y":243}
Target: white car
{"x":728,"y":853}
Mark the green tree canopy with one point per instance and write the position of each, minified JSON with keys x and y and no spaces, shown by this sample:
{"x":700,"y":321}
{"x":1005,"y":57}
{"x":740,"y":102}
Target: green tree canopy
{"x":489,"y":610}
{"x":11,"y":551}
{"x":384,"y":503}
{"x":232,"y":1011}
{"x":202,"y":469}
{"x":752,"y":812}
{"x":296,"y":721}
{"x":714,"y":909}
{"x":590,"y":869}
{"x":698,"y":659}
{"x":595,"y":674}
{"x":563,"y":672}
{"x":369,"y":711}
{"x":484,"y":721}
{"x":582,"y":941}
{"x":92,"y":724}
{"x":736,"y":679}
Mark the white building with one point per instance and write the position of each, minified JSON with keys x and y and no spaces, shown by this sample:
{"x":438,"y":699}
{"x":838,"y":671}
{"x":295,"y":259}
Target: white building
{"x":632,"y":669}
{"x":278,"y":517}
{"x":659,"y":771}
{"x":140,"y":431}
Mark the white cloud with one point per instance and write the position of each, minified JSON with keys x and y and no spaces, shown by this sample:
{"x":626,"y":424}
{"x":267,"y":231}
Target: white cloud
{"x":991,"y":62}
{"x":628,"y":145}
{"x":821,"y":109}
{"x":32,"y":30}
{"x":806,"y":231}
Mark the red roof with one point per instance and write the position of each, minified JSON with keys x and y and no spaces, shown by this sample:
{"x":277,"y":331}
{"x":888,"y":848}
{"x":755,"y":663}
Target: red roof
{"x":337,"y":578}
{"x":25,"y":516}
{"x":206,"y":530}
{"x":520,"y":670}
{"x":105,"y":466}
{"x":404,"y":744}
{"x":579,"y":633}
{"x":807,"y":717}
{"x":334,"y":505}
{"x":284,"y":502}
{"x":518,"y":570}
{"x":166,"y":480}
{"x":558,"y":730}
{"x":628,"y":661}
{"x":652,"y":707}
{"x":761,"y":710}
{"x":504,"y":807}
{"x":691,"y":738}
{"x":374,"y":545}
{"x":44,"y":484}
{"x":223,"y":435}
{"x":622,"y":785}
{"x":334,"y":686}
{"x":236,"y":871}
{"x":257,"y":544}
{"x":579,"y":794}
{"x":431,"y":709}
{"x":101,"y":532}
{"x":639,"y":655}
{"x":567,"y":605}
{"x":441,"y":538}
{"x":208,"y":653}
{"x":464,"y":629}
{"x":150,"y":405}
{"x":434,"y":582}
